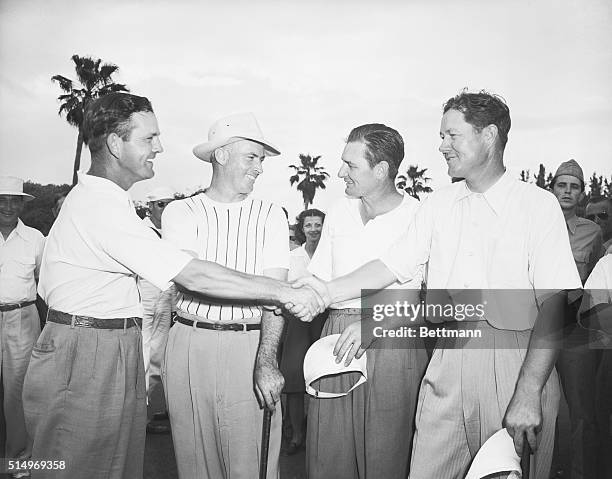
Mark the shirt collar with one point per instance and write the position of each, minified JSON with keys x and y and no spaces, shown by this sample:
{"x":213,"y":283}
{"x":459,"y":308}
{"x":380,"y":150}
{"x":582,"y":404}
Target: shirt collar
{"x":19,"y":230}
{"x":497,"y":195}
{"x":572,"y":224}
{"x":103,"y":184}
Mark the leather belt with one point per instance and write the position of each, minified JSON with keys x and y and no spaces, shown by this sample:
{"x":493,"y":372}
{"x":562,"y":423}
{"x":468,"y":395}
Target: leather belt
{"x":11,"y":306}
{"x":219,"y":326}
{"x":89,"y":322}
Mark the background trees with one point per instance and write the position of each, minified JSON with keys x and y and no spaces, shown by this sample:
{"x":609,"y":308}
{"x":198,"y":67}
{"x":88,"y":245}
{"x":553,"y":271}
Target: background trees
{"x":414,"y":181}
{"x":94,"y":79}
{"x":309,"y":177}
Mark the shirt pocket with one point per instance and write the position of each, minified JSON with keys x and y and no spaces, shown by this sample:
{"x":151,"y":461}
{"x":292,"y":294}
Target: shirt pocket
{"x":21,"y":267}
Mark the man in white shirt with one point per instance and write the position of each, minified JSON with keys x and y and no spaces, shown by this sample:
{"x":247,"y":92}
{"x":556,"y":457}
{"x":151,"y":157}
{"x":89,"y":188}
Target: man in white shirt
{"x":217,"y":363}
{"x":21,"y":250}
{"x":84,"y":391}
{"x":368,"y":432}
{"x":488,"y":231}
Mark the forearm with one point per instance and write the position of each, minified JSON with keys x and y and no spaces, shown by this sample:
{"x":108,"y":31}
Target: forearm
{"x":211,"y":279}
{"x":271,"y":332}
{"x":544,"y":344}
{"x":373,"y":275}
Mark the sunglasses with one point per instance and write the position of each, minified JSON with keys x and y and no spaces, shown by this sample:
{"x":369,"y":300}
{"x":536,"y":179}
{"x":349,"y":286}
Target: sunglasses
{"x":602,"y":216}
{"x":163,"y":204}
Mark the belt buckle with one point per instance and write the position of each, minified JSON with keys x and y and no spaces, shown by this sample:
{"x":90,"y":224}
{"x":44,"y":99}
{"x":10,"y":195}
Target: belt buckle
{"x":218,"y":326}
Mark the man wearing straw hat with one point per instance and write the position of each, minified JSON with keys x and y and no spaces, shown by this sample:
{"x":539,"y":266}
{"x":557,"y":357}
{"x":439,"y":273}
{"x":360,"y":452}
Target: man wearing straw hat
{"x":21,"y":250}
{"x":221,"y":356}
{"x":84,"y":391}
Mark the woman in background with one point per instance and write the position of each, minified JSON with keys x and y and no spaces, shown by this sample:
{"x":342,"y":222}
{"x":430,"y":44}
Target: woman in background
{"x":299,"y":335}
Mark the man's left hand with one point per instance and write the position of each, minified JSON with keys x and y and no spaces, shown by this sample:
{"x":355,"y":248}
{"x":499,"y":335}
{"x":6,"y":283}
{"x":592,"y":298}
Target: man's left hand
{"x":524,"y":417}
{"x":269,"y":383}
{"x":349,"y":343}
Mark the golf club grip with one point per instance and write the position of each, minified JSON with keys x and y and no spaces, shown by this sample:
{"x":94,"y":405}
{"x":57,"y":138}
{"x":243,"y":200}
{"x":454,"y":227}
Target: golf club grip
{"x":265,"y":443}
{"x":525,"y":458}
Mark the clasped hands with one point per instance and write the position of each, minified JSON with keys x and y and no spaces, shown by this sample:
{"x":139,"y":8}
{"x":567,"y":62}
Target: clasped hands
{"x":306,"y":297}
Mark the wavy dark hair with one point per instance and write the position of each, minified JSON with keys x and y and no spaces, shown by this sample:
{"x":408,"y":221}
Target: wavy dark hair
{"x":382,"y":144}
{"x":111,"y":114}
{"x":300,"y":237}
{"x":483,"y":109}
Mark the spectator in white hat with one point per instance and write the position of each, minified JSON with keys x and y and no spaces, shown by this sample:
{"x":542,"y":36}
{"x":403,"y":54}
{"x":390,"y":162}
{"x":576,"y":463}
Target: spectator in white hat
{"x":233,"y":343}
{"x":157,"y":309}
{"x":21,"y":249}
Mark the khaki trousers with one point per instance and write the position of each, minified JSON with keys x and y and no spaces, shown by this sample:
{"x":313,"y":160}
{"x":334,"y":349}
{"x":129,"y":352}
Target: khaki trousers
{"x":19,"y":330}
{"x":464,"y":395}
{"x":84,"y":401}
{"x":216,"y":419}
{"x":366,"y":434}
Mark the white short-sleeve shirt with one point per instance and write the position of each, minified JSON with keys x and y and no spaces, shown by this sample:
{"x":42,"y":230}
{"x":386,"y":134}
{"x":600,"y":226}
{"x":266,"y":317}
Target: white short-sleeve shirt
{"x":95,"y":249}
{"x":513,"y":236}
{"x":249,"y":236}
{"x":346,"y":243}
{"x":20,"y":257}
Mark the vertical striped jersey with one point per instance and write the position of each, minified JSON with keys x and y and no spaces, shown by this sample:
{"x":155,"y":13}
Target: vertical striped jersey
{"x":249,"y":236}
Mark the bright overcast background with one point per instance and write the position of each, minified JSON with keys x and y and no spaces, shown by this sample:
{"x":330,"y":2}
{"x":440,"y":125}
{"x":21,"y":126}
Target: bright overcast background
{"x":311,"y":71}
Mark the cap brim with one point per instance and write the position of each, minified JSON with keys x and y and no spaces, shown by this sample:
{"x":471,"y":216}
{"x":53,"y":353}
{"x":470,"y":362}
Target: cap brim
{"x":203,"y":150}
{"x":26,"y":196}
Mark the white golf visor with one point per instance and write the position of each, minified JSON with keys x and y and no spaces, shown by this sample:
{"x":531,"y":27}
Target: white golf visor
{"x":320,"y":362}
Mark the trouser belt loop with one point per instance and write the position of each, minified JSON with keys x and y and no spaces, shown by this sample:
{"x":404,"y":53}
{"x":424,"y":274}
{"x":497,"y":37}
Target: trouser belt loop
{"x":136,"y":324}
{"x":125,"y":325}
{"x":72,"y":321}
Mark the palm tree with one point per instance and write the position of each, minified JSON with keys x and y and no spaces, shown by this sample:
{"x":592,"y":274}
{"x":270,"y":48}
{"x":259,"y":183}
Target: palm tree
{"x":413,"y":182}
{"x":94,"y":80}
{"x":314,"y":177}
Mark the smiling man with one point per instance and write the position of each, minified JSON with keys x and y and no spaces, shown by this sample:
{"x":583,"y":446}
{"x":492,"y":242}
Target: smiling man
{"x":368,"y":432}
{"x":488,"y":231}
{"x":84,"y":391}
{"x":221,"y":355}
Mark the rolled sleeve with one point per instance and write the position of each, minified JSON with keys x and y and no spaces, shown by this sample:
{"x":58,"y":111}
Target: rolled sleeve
{"x":407,"y":255}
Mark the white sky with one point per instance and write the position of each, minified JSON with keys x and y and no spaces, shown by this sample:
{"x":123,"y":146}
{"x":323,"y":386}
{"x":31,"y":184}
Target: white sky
{"x":311,"y":71}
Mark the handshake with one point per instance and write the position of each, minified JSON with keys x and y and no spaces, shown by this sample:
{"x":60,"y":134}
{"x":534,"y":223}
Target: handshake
{"x":305,"y":298}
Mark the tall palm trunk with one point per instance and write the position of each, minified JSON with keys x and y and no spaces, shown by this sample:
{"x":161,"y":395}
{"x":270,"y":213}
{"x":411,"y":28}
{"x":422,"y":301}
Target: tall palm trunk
{"x":77,"y":157}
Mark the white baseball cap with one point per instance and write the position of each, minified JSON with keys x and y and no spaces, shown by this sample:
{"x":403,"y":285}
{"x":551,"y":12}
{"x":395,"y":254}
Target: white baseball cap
{"x":234,"y":127}
{"x":320,"y":361}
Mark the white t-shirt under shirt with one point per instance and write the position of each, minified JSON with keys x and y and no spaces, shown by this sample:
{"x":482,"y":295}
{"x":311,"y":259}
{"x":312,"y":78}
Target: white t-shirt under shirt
{"x":95,"y":249}
{"x":251,"y":236}
{"x":347,"y":244}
